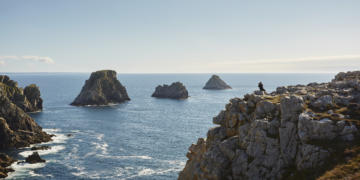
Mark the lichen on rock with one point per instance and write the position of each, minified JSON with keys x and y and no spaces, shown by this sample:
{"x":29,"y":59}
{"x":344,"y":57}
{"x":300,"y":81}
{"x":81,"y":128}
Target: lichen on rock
{"x":296,"y":132}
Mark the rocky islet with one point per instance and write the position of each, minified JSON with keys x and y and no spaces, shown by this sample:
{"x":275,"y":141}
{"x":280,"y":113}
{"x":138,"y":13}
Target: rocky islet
{"x":216,"y":83}
{"x":175,"y":91}
{"x":102,"y":88}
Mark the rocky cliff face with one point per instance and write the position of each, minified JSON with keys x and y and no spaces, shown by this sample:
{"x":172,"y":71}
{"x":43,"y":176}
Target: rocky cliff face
{"x":102,"y":88}
{"x":27,"y":99}
{"x":296,"y":132}
{"x":175,"y":91}
{"x":216,"y":83}
{"x":18,"y":129}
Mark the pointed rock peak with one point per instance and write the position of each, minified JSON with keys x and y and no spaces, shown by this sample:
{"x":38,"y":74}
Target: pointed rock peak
{"x":216,"y":83}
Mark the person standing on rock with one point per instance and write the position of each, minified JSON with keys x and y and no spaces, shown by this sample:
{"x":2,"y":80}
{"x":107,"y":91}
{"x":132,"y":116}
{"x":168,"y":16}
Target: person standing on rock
{"x":261,"y":86}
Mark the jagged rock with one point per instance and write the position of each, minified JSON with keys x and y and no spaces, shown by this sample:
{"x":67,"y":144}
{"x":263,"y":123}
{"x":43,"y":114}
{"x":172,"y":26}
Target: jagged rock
{"x":40,"y":148}
{"x":175,"y":91}
{"x":28,"y":99}
{"x":102,"y":88}
{"x":216,"y":83}
{"x":34,"y":158}
{"x":5,"y":161}
{"x":323,"y":103}
{"x":32,"y":93}
{"x":292,"y":133}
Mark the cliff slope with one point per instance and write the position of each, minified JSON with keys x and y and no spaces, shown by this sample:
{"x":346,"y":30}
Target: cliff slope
{"x":102,"y":88}
{"x":17,"y":128}
{"x":296,"y":132}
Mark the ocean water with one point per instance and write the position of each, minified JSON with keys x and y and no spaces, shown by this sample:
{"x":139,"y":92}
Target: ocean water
{"x":145,"y":138}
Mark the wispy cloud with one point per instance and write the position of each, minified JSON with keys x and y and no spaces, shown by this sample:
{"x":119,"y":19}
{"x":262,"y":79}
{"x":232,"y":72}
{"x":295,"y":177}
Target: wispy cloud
{"x":42,"y":59}
{"x":289,"y":60}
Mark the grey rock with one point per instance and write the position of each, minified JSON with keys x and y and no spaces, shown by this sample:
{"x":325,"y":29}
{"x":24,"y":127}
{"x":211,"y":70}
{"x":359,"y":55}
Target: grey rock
{"x":175,"y":91}
{"x":216,"y":83}
{"x":102,"y":88}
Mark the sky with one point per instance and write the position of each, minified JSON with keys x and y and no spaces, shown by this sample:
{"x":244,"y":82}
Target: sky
{"x":183,"y":36}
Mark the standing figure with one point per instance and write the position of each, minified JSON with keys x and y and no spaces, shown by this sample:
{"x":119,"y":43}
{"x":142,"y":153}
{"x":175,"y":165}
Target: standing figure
{"x":261,"y":86}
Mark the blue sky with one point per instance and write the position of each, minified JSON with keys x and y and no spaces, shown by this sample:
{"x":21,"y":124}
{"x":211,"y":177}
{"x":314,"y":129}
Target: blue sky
{"x":187,"y":36}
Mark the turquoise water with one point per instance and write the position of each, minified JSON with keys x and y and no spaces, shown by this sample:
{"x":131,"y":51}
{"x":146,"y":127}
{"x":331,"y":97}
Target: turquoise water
{"x":145,"y":138}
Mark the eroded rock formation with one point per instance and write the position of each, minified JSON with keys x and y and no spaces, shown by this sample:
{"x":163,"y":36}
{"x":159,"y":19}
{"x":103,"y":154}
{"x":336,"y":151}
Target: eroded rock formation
{"x":17,"y":128}
{"x":296,"y":132}
{"x":103,"y":88}
{"x":34,"y":158}
{"x":216,"y":83}
{"x":5,"y":161}
{"x":27,"y":99}
{"x":175,"y":91}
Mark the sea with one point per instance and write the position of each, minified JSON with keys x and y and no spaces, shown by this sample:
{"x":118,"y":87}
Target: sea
{"x":146,"y":138}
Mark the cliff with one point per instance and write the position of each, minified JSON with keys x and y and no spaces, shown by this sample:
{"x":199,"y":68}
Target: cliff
{"x":102,"y":88}
{"x":175,"y":91}
{"x":17,"y":128}
{"x":216,"y":83}
{"x":27,"y":99}
{"x":296,"y":132}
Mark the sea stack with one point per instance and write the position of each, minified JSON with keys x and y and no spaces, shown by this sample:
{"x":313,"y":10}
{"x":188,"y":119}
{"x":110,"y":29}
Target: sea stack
{"x":175,"y":91}
{"x":215,"y":83}
{"x":103,"y":88}
{"x":296,"y":132}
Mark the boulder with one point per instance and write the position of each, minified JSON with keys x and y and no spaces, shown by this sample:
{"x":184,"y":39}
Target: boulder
{"x":175,"y":91}
{"x":34,"y":158}
{"x":215,"y":83}
{"x":102,"y":88}
{"x":40,"y":148}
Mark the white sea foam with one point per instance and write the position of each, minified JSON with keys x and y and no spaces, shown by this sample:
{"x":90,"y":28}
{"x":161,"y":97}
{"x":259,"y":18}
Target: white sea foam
{"x":123,"y":157}
{"x":52,"y":150}
{"x":24,"y":169}
{"x":101,"y":146}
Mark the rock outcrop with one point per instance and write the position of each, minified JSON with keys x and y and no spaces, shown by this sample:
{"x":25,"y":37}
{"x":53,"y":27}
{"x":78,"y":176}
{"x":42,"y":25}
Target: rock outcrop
{"x":17,"y":128}
{"x":175,"y":91}
{"x":34,"y":158}
{"x":103,"y":88}
{"x":27,"y":99}
{"x":5,"y":161}
{"x":216,"y":83}
{"x":296,"y":132}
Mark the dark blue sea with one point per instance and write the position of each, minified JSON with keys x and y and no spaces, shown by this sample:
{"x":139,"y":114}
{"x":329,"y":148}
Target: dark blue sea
{"x":145,"y":138}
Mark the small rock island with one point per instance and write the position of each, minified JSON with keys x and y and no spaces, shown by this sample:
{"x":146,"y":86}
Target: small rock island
{"x":216,"y":83}
{"x":103,"y":88}
{"x":175,"y":91}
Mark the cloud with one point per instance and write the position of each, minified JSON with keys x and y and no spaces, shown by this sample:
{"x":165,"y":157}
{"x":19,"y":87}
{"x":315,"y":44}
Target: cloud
{"x":2,"y":63}
{"x":42,"y":59}
{"x":289,"y":60}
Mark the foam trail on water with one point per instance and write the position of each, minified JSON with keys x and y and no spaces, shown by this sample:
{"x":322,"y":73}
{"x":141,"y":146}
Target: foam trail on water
{"x":53,"y":150}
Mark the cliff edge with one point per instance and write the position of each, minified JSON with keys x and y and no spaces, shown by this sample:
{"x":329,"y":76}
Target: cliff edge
{"x":296,"y":132}
{"x":17,"y":128}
